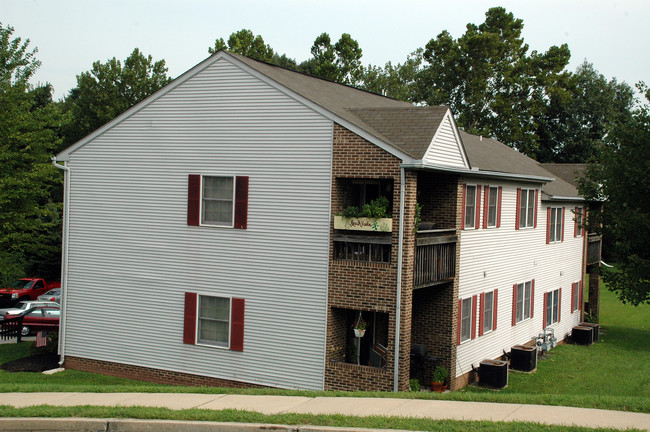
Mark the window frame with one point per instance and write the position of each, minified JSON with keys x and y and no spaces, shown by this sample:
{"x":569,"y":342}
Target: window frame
{"x":488,"y":206}
{"x":466,"y":319}
{"x":202,"y":221}
{"x":488,"y":312}
{"x":523,"y":301}
{"x":470,"y":203}
{"x":528,"y":213}
{"x":579,"y":229}
{"x":198,"y":339}
{"x":555,"y":229}
{"x":552,"y":307}
{"x":576,"y":295}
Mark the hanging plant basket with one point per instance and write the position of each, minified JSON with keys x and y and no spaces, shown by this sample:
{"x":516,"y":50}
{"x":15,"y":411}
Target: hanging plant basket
{"x":359,"y":332}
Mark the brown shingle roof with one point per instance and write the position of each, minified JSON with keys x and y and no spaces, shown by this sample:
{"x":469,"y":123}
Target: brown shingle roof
{"x":567,"y":172}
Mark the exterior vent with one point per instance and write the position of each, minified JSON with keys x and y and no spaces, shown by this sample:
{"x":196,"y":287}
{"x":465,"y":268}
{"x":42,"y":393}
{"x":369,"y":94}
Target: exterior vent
{"x":582,"y":335}
{"x":595,"y":327}
{"x":523,"y":358}
{"x":493,"y":373}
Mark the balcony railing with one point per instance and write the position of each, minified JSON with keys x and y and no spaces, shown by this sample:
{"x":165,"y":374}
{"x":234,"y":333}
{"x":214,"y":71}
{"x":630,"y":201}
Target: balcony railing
{"x":593,"y":249}
{"x":435,"y":257}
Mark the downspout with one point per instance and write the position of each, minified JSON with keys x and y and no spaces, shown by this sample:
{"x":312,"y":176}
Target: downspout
{"x":64,"y":255}
{"x":398,"y":302}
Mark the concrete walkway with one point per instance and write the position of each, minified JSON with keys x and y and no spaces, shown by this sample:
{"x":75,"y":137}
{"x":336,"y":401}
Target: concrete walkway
{"x":432,"y":409}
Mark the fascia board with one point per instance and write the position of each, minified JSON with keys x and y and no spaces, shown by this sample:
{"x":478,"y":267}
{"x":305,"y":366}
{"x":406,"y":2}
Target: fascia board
{"x":476,"y":173}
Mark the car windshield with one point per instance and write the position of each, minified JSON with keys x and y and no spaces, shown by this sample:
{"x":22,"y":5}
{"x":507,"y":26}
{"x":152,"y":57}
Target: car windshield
{"x":55,"y":291}
{"x":23,"y":305}
{"x":22,"y":284}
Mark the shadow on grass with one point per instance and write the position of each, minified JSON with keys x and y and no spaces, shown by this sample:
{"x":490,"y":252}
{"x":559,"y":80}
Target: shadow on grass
{"x":629,"y":339}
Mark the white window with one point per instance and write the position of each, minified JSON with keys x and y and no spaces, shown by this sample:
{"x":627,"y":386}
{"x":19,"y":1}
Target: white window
{"x":470,"y":206}
{"x":466,"y":320}
{"x":527,"y":208}
{"x":578,"y":222}
{"x":552,"y":307}
{"x":524,"y":300}
{"x":217,"y":198}
{"x":556,"y":225}
{"x":488,"y":311}
{"x":493,"y":194}
{"x":575,"y":300}
{"x":214,"y":321}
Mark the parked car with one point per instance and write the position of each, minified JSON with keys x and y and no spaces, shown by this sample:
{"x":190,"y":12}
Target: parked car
{"x":52,"y":295}
{"x":23,"y":306}
{"x":25,"y":289}
{"x":41,"y":318}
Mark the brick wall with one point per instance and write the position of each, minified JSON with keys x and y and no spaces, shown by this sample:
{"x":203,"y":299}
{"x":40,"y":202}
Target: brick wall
{"x":149,"y":374}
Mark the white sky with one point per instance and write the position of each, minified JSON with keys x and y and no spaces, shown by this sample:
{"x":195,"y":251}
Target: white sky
{"x":71,"y":34}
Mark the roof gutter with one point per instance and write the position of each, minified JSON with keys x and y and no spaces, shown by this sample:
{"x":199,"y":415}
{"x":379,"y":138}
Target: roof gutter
{"x":64,"y":255}
{"x":475,"y":172}
{"x":398,"y":299}
{"x":563,"y":198}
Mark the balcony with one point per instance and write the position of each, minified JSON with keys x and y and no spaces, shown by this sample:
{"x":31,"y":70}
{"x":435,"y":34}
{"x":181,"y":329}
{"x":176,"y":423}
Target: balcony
{"x":435,"y":257}
{"x":593,"y":249}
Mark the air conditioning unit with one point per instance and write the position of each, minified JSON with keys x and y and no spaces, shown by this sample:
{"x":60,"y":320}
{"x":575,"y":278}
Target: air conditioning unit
{"x":595,"y":327}
{"x":493,"y":373}
{"x":582,"y":335}
{"x":523,"y":358}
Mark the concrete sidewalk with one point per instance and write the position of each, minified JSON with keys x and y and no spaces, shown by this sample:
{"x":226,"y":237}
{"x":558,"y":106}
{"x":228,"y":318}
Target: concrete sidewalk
{"x":432,"y":409}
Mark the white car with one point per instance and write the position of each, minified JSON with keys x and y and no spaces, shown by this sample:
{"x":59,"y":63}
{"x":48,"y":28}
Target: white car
{"x":53,"y":295}
{"x":22,"y":306}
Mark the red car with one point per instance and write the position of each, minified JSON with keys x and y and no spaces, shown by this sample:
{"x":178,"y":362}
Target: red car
{"x":41,"y":318}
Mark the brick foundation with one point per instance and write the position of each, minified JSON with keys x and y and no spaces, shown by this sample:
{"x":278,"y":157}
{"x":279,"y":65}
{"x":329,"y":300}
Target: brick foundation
{"x":159,"y":376}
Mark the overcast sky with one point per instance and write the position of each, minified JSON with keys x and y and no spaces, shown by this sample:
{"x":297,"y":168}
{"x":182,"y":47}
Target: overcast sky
{"x":71,"y":34}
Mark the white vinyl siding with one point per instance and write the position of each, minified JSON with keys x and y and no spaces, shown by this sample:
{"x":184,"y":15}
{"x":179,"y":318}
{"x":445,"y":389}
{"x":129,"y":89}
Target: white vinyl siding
{"x":133,"y":253}
{"x":500,"y":258}
{"x":445,"y":148}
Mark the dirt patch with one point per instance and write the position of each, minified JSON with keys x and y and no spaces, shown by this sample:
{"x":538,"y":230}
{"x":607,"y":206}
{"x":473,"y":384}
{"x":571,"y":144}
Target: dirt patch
{"x":34,"y":363}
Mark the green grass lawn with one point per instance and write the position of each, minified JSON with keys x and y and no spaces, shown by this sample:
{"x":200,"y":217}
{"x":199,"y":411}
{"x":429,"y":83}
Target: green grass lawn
{"x":612,"y":374}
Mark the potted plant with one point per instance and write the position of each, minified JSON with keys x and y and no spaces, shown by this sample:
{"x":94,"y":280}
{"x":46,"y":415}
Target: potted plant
{"x":360,"y":327}
{"x":372,"y":217}
{"x":438,"y":380}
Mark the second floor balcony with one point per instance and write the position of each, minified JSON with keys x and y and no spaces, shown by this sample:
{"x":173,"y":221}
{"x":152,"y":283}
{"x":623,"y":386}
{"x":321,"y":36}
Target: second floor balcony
{"x":435,"y":257}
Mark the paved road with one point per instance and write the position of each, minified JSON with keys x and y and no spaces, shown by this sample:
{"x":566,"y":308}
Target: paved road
{"x":432,"y":409}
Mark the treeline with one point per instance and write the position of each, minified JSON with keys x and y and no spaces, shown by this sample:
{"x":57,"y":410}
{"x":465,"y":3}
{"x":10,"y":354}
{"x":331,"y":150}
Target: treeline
{"x":493,"y":83}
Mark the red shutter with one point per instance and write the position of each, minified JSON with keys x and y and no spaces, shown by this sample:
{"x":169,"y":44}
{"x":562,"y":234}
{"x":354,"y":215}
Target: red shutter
{"x":473,"y":317}
{"x":193,"y":199}
{"x":544,"y":311}
{"x":486,"y":206}
{"x":517,"y":209}
{"x":189,"y":326}
{"x":237,"y":325}
{"x":535,"y":217}
{"x":532,"y":298}
{"x":477,"y":219}
{"x":548,"y":225}
{"x":241,"y":202}
{"x":460,"y":316}
{"x":462,"y":220}
{"x":559,"y":305}
{"x":480,"y":315}
{"x":494,"y":309}
{"x":514,"y":304}
{"x":575,"y":222}
{"x":499,"y":206}
{"x":573,"y":295}
{"x":562,"y":223}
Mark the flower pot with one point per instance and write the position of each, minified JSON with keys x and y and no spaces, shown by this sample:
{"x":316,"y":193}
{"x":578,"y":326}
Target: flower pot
{"x":359,"y":332}
{"x":438,"y":386}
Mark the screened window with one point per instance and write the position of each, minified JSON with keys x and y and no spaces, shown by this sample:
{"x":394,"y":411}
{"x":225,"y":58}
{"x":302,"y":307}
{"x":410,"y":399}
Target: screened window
{"x":470,"y":206}
{"x":466,"y":320}
{"x":527,"y":208}
{"x":214,"y":321}
{"x":552,"y":307}
{"x":524,"y":299}
{"x":493,"y":194}
{"x":556,"y":225}
{"x":488,"y":311}
{"x":217,"y":200}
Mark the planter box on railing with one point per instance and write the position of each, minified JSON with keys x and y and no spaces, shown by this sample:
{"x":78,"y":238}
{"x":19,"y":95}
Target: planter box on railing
{"x":363,"y":224}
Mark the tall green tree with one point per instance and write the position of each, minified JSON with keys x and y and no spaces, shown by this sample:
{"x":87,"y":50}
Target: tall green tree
{"x":492,"y":84}
{"x":109,"y":89}
{"x":620,"y":180}
{"x":30,"y":187}
{"x":583,"y":108}
{"x":339,"y":62}
{"x":398,"y":81}
{"x":244,"y":42}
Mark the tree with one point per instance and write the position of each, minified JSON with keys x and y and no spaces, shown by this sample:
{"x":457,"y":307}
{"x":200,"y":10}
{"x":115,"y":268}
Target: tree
{"x":583,"y":108}
{"x":397,"y":81}
{"x":620,"y":179}
{"x":491,"y":83}
{"x":340,"y":62}
{"x":109,"y":89}
{"x":30,"y":187}
{"x":244,"y":42}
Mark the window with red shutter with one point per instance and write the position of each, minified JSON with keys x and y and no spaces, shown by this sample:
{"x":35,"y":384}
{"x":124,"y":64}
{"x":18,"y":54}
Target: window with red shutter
{"x":214,"y":321}
{"x":194,"y":200}
{"x":217,"y":201}
{"x":189,"y":330}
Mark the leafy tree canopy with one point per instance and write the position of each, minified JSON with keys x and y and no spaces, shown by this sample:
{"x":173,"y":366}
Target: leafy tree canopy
{"x":620,"y":179}
{"x":109,"y":89}
{"x":17,"y":63}
{"x":340,"y":62}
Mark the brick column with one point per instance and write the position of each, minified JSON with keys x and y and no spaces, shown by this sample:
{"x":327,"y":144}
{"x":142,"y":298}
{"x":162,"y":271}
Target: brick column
{"x":452,"y":299}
